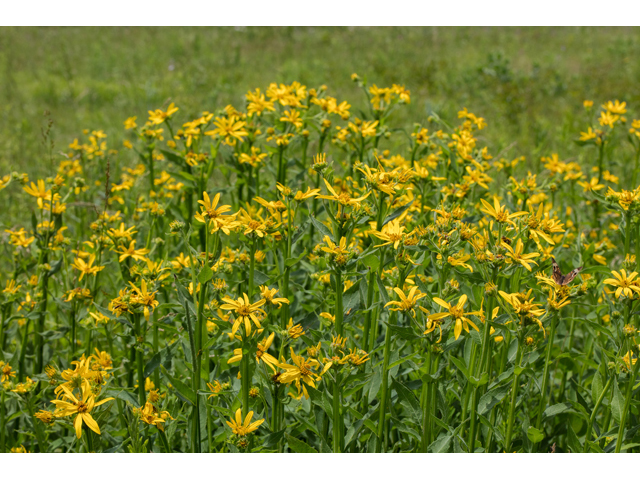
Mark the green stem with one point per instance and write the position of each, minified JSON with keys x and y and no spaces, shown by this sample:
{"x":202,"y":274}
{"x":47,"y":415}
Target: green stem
{"x":587,"y":437}
{"x":337,"y":392}
{"x":545,"y":375}
{"x":252,"y":266}
{"x":164,"y":441}
{"x":514,"y":396}
{"x":627,"y":402}
{"x":426,"y":408}
{"x":139,"y":345}
{"x":245,"y":378}
{"x":384,"y":392}
{"x":627,"y":233}
{"x":3,"y":420}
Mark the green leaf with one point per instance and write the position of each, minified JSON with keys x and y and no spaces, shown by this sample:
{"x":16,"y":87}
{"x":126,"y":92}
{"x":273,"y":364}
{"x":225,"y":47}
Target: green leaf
{"x":535,"y":435}
{"x":461,"y":366}
{"x":372,"y":261}
{"x":322,"y":228}
{"x":617,"y":402}
{"x":405,"y":333}
{"x":374,"y":387}
{"x":384,"y":296}
{"x":290,"y":262}
{"x":272,"y":440}
{"x":572,"y":440}
{"x":205,"y":274}
{"x":596,"y":387}
{"x":396,"y":213}
{"x":441,"y":445}
{"x":409,"y":400}
{"x":122,"y":394}
{"x":557,"y":409}
{"x":182,"y":391}
{"x":152,"y":364}
{"x":172,"y":157}
{"x":492,"y":398}
{"x":260,"y":278}
{"x":55,"y":268}
{"x":299,"y":446}
{"x":300,"y":232}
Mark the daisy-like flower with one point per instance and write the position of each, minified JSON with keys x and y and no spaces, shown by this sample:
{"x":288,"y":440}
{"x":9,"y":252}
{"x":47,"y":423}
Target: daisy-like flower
{"x":518,"y":256}
{"x":431,"y":324}
{"x":310,"y":193}
{"x":158,"y":116}
{"x":86,"y":268}
{"x":406,"y":302}
{"x":499,"y":212}
{"x":215,"y":215}
{"x":144,"y":298}
{"x":80,"y":407}
{"x":150,"y":415}
{"x":392,"y":234}
{"x":458,"y":314}
{"x":243,"y":428}
{"x":245,"y":312}
{"x":343,"y":198}
{"x":524,"y":307}
{"x":230,"y":129}
{"x":269,"y":296}
{"x":138,"y":254}
{"x":301,"y":370}
{"x":625,"y":283}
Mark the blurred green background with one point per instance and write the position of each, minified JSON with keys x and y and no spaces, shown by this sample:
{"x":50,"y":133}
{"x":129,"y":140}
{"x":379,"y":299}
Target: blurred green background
{"x":528,"y":83}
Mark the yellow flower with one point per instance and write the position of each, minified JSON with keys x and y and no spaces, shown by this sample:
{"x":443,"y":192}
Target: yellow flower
{"x":230,"y":129}
{"x":499,"y":212}
{"x":158,"y":116}
{"x":270,"y":296}
{"x":343,"y":198}
{"x":625,"y":284}
{"x":216,"y":215}
{"x":459,"y":260}
{"x":86,"y":268}
{"x":615,"y":108}
{"x":392,"y":234}
{"x":301,"y":196}
{"x":244,"y":311}
{"x":407,"y":302}
{"x":215,"y":387}
{"x":600,"y":259}
{"x":241,"y":428}
{"x":144,"y":298}
{"x":6,"y":372}
{"x":301,"y":370}
{"x":524,"y":307}
{"x":294,"y":331}
{"x":130,"y":123}
{"x":149,"y":414}
{"x":628,"y":359}
{"x":592,"y":185}
{"x":45,"y":416}
{"x":588,"y":135}
{"x":39,"y":191}
{"x":81,"y":407}
{"x":132,"y":252}
{"x":458,"y":314}
{"x":517,"y":255}
{"x":292,"y":116}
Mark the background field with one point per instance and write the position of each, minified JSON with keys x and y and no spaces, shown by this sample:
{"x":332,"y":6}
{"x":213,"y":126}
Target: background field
{"x":529,"y":83}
